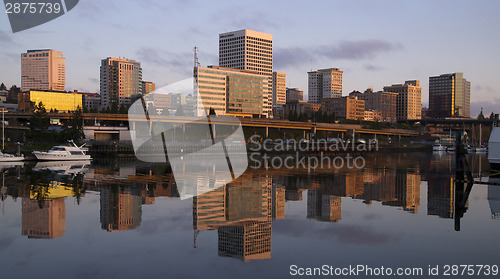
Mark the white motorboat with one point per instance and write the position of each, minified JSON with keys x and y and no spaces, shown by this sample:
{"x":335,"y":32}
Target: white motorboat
{"x":494,"y":148}
{"x":69,"y":152}
{"x":10,"y":158}
{"x":438,"y":147}
{"x":451,"y":148}
{"x":481,"y":149}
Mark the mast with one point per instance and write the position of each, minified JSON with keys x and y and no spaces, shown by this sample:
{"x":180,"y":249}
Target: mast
{"x":480,"y":134}
{"x":3,"y":129}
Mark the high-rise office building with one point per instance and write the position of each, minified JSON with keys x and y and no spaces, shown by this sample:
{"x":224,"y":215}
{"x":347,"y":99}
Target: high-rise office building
{"x":279,"y":89}
{"x":230,"y":91}
{"x":325,"y":83}
{"x":121,"y":78}
{"x":449,"y":95}
{"x":249,"y":50}
{"x":43,"y":69}
{"x":409,"y":100}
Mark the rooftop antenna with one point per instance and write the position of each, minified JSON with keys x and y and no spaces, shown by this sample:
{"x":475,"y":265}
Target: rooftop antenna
{"x":196,"y":62}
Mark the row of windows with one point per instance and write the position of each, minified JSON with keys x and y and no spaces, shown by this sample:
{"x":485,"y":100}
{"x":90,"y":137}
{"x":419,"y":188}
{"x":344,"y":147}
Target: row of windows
{"x":227,"y":73}
{"x":36,"y":55}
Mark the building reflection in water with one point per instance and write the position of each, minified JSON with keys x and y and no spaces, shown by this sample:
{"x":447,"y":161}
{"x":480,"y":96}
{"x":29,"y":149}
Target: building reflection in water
{"x":44,"y":211}
{"x":45,"y":219}
{"x":494,"y":201}
{"x":120,"y":209}
{"x":248,"y":240}
{"x":242,"y":212}
{"x":323,"y":207}
{"x":407,"y":191}
{"x":441,"y":195}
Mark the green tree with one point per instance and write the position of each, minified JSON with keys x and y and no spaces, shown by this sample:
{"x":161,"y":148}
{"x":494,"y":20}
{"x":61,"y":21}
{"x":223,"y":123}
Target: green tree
{"x":39,"y":122}
{"x":492,"y":116}
{"x":481,"y":115}
{"x":303,"y":117}
{"x":85,"y":109}
{"x":114,"y":108}
{"x":3,"y":87}
{"x":122,"y":110}
{"x":12,"y":94}
{"x":73,"y":129}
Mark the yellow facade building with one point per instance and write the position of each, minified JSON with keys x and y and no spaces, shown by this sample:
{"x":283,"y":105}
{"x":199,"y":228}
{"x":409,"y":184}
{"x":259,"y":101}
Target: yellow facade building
{"x":54,"y":100}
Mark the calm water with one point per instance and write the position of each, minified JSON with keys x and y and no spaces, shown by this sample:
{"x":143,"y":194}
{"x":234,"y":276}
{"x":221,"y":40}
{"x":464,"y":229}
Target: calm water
{"x":126,"y":220}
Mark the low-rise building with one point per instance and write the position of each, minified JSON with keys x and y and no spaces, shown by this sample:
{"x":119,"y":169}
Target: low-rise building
{"x":52,"y":100}
{"x":373,"y":115}
{"x":90,"y":100}
{"x":301,"y":107}
{"x":347,"y":107}
{"x":384,"y":102}
{"x":148,"y":87}
{"x":294,"y":94}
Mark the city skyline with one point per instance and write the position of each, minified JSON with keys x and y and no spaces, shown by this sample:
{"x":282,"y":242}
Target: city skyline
{"x":367,"y":49}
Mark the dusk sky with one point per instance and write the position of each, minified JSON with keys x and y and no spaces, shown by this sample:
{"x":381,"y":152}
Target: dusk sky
{"x":375,"y":43}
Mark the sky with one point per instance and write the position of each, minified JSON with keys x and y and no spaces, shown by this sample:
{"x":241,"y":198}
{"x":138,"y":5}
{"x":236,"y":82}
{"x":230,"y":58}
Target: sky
{"x":375,"y":42}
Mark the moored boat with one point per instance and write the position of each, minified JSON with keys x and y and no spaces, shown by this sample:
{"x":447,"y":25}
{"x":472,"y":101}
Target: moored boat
{"x":69,"y":152}
{"x":4,"y":157}
{"x":438,"y":147}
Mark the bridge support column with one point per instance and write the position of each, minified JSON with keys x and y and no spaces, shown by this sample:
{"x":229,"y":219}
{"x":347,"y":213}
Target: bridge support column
{"x":267,"y":132}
